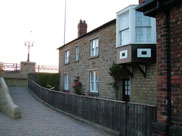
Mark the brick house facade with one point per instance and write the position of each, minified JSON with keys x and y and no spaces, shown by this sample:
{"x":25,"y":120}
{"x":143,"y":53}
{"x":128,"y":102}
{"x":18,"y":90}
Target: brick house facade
{"x":142,"y":89}
{"x":168,"y":16}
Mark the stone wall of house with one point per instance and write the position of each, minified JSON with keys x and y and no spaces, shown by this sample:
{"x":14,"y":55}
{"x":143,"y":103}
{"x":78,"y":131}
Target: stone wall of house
{"x":143,"y":90}
{"x":102,"y":63}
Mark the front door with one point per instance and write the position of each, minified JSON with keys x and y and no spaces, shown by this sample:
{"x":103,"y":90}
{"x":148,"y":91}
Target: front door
{"x":126,"y":90}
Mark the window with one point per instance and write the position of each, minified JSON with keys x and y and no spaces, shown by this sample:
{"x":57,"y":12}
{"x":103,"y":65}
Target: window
{"x":66,"y":57}
{"x":93,"y":81}
{"x":126,"y":90}
{"x":94,"y":47}
{"x":133,"y":27}
{"x":77,"y":53}
{"x":143,"y":28}
{"x":66,"y":83}
{"x":124,"y":29}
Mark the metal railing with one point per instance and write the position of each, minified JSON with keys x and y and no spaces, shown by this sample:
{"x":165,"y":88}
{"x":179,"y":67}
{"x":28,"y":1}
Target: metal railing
{"x":46,"y":69}
{"x":15,"y":67}
{"x":9,"y":67}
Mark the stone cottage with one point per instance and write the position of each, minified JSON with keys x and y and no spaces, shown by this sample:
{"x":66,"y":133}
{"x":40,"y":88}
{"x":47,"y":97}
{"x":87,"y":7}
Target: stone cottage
{"x":129,"y":41}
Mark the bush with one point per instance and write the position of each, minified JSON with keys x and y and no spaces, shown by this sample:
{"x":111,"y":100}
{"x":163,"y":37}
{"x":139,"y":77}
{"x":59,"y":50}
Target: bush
{"x":117,"y":72}
{"x":78,"y":86}
{"x":48,"y":80}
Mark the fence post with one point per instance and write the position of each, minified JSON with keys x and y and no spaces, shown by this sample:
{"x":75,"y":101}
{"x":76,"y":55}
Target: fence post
{"x":126,"y":118}
{"x":16,"y":68}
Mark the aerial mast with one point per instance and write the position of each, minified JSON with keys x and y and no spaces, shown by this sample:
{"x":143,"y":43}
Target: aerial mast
{"x":65,"y":22}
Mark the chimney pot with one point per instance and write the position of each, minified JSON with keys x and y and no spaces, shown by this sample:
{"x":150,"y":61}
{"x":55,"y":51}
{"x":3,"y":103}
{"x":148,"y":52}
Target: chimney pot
{"x":141,"y":1}
{"x":82,"y":28}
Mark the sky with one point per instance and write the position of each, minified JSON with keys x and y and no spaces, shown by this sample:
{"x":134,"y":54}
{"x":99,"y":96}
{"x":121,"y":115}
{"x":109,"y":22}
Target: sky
{"x":42,"y":22}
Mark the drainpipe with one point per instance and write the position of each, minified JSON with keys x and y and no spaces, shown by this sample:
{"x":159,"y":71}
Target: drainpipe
{"x":168,"y":57}
{"x":166,"y":10}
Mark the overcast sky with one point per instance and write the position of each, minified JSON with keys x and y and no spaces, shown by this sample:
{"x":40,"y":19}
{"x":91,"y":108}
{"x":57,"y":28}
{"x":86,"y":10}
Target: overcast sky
{"x":45,"y":18}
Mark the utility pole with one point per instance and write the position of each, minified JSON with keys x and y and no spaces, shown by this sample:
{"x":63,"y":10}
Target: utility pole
{"x":28,"y":44}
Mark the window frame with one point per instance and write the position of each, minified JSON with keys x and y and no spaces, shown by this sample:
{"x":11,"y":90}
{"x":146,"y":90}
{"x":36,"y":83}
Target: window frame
{"x":124,"y":29}
{"x":94,"y":49}
{"x":140,"y":26}
{"x":67,"y":57}
{"x":77,"y":53}
{"x":94,"y":81}
{"x":66,"y":82}
{"x":132,"y":28}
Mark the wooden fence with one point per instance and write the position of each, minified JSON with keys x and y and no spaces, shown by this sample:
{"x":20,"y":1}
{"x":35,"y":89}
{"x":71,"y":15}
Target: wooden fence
{"x":128,"y":118}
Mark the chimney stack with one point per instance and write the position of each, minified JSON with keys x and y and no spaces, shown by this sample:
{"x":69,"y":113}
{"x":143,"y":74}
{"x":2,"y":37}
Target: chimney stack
{"x":82,"y":28}
{"x":141,"y":1}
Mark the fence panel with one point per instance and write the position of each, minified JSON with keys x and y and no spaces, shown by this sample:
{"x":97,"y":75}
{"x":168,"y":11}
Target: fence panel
{"x":129,"y":119}
{"x":139,"y":119}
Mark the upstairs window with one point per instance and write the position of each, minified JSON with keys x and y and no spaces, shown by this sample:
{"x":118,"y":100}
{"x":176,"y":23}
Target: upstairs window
{"x":143,"y":28}
{"x":66,"y":57}
{"x":133,"y":27}
{"x":124,"y":29}
{"x":94,"y":44}
{"x":77,"y":53}
{"x":93,"y":81}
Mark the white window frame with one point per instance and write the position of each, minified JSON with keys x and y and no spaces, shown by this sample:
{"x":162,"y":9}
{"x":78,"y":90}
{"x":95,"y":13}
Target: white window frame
{"x":66,"y":57}
{"x":93,"y":81}
{"x":123,"y":31}
{"x":94,"y":47}
{"x":121,"y":54}
{"x":143,"y":26}
{"x":77,"y":53}
{"x":132,"y":27}
{"x":66,"y":81}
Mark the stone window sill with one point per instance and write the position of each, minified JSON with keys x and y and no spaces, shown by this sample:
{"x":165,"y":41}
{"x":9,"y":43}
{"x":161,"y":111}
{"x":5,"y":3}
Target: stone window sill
{"x":93,"y":94}
{"x":66,"y":64}
{"x":93,"y":57}
{"x":76,"y":61}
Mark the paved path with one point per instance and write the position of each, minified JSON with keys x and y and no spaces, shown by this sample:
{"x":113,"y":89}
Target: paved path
{"x":39,"y":120}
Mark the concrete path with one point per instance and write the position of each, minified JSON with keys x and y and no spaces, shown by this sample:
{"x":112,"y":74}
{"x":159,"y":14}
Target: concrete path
{"x":39,"y":120}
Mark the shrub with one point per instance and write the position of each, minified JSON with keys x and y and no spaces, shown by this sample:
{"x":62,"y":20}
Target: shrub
{"x":78,"y":86}
{"x":117,"y":72}
{"x":48,"y":80}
